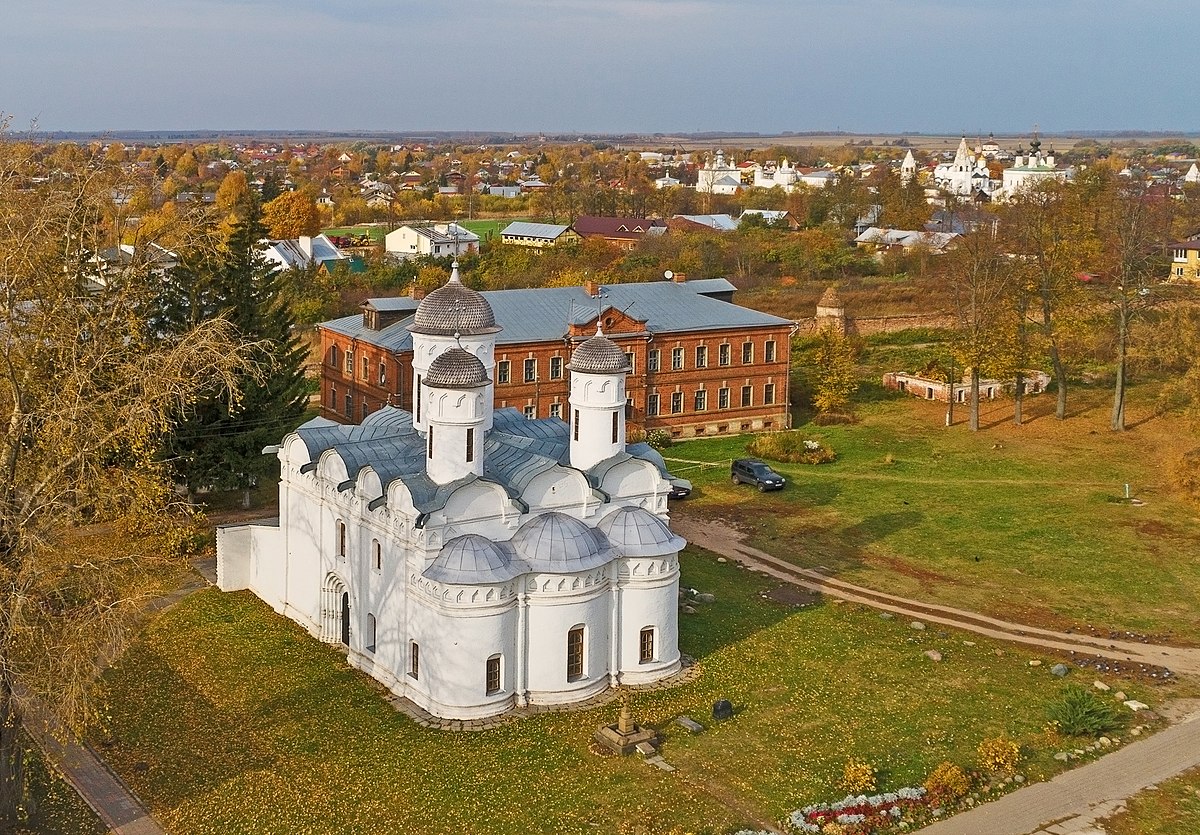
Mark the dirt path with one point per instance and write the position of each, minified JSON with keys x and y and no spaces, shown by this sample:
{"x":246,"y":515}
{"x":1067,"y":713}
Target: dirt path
{"x":722,"y":539}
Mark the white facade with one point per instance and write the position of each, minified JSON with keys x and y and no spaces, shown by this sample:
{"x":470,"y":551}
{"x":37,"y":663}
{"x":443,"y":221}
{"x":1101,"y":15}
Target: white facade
{"x":435,"y":239}
{"x":1028,"y":170}
{"x":967,"y":175}
{"x":718,"y":177}
{"x":487,"y":561}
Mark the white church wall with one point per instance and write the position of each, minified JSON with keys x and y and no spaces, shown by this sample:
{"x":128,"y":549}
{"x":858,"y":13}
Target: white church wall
{"x":649,"y":598}
{"x":554,"y":609}
{"x":233,"y":557}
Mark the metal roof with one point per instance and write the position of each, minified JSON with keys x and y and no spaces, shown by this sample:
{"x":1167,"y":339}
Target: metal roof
{"x":523,"y":228}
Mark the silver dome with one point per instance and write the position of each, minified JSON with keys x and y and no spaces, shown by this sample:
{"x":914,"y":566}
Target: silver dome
{"x":637,"y":532}
{"x":473,"y":559}
{"x":456,"y":369}
{"x":555,"y":542}
{"x":599,"y":355}
{"x":454,"y":308}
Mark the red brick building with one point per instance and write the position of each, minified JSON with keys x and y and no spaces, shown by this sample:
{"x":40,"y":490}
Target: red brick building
{"x":701,"y":364}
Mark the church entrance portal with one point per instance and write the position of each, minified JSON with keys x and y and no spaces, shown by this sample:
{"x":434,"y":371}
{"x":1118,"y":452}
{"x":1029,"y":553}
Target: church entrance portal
{"x":335,"y":611}
{"x":345,"y":618}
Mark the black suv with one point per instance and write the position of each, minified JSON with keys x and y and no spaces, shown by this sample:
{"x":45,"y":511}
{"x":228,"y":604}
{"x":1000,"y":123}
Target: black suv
{"x":753,"y":471}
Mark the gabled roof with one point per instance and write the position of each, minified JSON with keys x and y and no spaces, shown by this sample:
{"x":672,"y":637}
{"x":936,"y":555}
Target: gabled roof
{"x":722,"y":223}
{"x":525,"y":229}
{"x":631,"y":228}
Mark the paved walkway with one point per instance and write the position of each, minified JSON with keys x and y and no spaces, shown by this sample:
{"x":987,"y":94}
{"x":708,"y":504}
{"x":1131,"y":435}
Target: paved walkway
{"x":1072,"y":802}
{"x":722,"y":539}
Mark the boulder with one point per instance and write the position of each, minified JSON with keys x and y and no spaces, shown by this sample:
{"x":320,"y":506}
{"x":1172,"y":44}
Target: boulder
{"x":1059,"y":670}
{"x":1101,"y":686}
{"x":916,"y":624}
{"x":933,"y":655}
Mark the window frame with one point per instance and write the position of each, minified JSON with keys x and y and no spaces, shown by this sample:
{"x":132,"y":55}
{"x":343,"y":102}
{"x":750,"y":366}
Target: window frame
{"x":747,"y":353}
{"x":504,"y":372}
{"x":556,"y":367}
{"x":677,"y":358}
{"x":652,"y":404}
{"x":493,"y":676}
{"x":646,"y":645}
{"x":700,"y":400}
{"x":702,"y":356}
{"x":414,"y":660}
{"x":769,"y":394}
{"x":653,"y":359}
{"x":677,"y":402}
{"x":724,"y":354}
{"x":747,"y":396}
{"x":576,"y":651}
{"x":529,"y":371}
{"x":723,"y":394}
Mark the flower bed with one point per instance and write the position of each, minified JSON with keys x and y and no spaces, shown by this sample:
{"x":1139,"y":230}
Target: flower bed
{"x":862,"y":814}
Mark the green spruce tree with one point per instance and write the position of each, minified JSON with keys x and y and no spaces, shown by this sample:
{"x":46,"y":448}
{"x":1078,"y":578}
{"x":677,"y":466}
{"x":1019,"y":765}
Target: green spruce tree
{"x":219,"y":444}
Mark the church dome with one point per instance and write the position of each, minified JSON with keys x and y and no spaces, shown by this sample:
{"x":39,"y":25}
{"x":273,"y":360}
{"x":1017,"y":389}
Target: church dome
{"x":456,"y":369}
{"x":637,"y":532}
{"x":555,"y":542}
{"x":599,"y":355}
{"x":472,"y":558}
{"x":454,"y":308}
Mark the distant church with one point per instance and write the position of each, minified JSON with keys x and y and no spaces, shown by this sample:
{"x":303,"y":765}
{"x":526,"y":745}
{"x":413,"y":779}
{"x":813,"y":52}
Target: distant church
{"x":470,"y":559}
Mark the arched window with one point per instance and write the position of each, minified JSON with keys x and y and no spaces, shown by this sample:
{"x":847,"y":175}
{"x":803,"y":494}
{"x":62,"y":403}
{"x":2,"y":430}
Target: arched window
{"x":335,"y":356}
{"x":646,"y":645}
{"x":341,"y":537}
{"x":370,"y":636}
{"x":493,"y":676}
{"x":376,"y":555}
{"x":575,"y":653}
{"x":414,"y":659}
{"x":470,"y":444}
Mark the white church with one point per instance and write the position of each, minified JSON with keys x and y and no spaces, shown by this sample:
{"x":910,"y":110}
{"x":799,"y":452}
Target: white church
{"x":470,"y":559}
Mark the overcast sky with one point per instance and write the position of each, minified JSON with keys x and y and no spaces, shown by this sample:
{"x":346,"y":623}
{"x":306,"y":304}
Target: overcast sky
{"x":601,"y":65}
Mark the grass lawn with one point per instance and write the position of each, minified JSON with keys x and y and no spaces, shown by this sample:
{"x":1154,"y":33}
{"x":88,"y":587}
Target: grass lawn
{"x":1022,"y":522}
{"x":55,"y":808}
{"x":376,"y":233}
{"x":228,"y":718}
{"x":1171,"y":809}
{"x":491,"y":227}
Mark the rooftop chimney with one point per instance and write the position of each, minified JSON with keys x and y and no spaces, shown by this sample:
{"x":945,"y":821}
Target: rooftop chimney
{"x":305,"y":243}
{"x":417,"y":292}
{"x":592,"y":288}
{"x":679,"y":278}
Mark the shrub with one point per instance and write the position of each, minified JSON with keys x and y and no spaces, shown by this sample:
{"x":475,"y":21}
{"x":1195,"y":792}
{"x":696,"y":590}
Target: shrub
{"x":947,"y":783}
{"x":858,"y":776}
{"x":792,"y":447}
{"x":658,"y":438}
{"x":999,"y":753}
{"x":1080,"y":712}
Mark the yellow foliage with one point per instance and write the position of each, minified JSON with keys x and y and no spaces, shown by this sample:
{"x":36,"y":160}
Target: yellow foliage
{"x":858,"y":776}
{"x":947,"y":782}
{"x":999,"y":753}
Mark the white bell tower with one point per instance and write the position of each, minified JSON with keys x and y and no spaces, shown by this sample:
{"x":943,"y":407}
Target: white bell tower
{"x":457,"y":406}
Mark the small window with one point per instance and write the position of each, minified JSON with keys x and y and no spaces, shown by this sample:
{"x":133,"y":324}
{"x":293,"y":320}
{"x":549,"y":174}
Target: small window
{"x":383,"y":373}
{"x":376,"y":555}
{"x":556,"y":410}
{"x":349,"y":405}
{"x":575,"y":653}
{"x":493,"y":675}
{"x":616,"y":426}
{"x":646,"y":645}
{"x":747,"y":353}
{"x":349,"y":362}
{"x":676,"y":402}
{"x":530,"y":412}
{"x":769,"y":394}
{"x":723,"y":354}
{"x":556,"y":368}
{"x":676,"y":359}
{"x":701,"y":400}
{"x":575,"y":426}
{"x":629,"y":360}
{"x":414,"y":659}
{"x":503,"y":371}
{"x":335,"y":356}
{"x":366,"y":368}
{"x":531,"y":370}
{"x":747,"y":395}
{"x":470,"y":444}
{"x":333,"y":397}
{"x":340,"y":532}
{"x":653,"y":358}
{"x":652,"y":405}
{"x":370,"y":636}
{"x":429,"y":441}
{"x":366,"y":410}
{"x":769,"y":351}
{"x":417,"y":398}
{"x":701,"y":356}
{"x":722,"y":398}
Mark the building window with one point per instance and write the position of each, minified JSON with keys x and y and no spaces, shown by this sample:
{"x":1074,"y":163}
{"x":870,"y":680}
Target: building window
{"x":376,"y":555}
{"x":503,"y":371}
{"x":333,"y":397}
{"x":556,"y":368}
{"x":530,"y":412}
{"x":629,"y":359}
{"x":470,"y":444}
{"x":366,"y":368}
{"x":676,"y":359}
{"x":382,"y":373}
{"x":652,"y":405}
{"x":616,"y":426}
{"x":366,"y":410}
{"x":340,"y":532}
{"x":646,"y":645}
{"x":676,"y":402}
{"x":417,"y":398}
{"x":530,"y":370}
{"x":701,"y":400}
{"x":429,"y":439}
{"x":723,"y":354}
{"x":747,"y":353}
{"x":747,"y":395}
{"x":556,"y":410}
{"x":349,"y":362}
{"x":414,"y":659}
{"x":575,"y":653}
{"x":769,"y":394}
{"x":370,"y":636}
{"x":493,"y":675}
{"x":653,"y":358}
{"x":769,"y":351}
{"x":722,"y":398}
{"x":335,"y":355}
{"x":349,"y":405}
{"x":575,"y":426}
{"x":701,"y":356}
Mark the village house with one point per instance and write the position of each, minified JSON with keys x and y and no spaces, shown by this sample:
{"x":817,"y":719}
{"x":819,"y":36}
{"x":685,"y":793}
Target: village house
{"x":303,"y":252}
{"x":1185,"y":260}
{"x":537,"y":235}
{"x":699,"y":364}
{"x":625,"y":232}
{"x":433,"y":239}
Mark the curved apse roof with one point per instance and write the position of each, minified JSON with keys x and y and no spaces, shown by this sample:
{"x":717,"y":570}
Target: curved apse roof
{"x":471,"y":559}
{"x":555,"y":542}
{"x":636,"y":532}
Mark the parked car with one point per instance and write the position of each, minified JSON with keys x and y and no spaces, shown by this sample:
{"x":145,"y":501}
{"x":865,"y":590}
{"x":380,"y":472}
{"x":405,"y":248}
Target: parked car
{"x":681,"y":488}
{"x":753,"y":471}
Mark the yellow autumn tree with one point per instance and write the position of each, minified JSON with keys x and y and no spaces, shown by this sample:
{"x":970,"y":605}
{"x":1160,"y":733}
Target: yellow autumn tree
{"x":291,"y":214}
